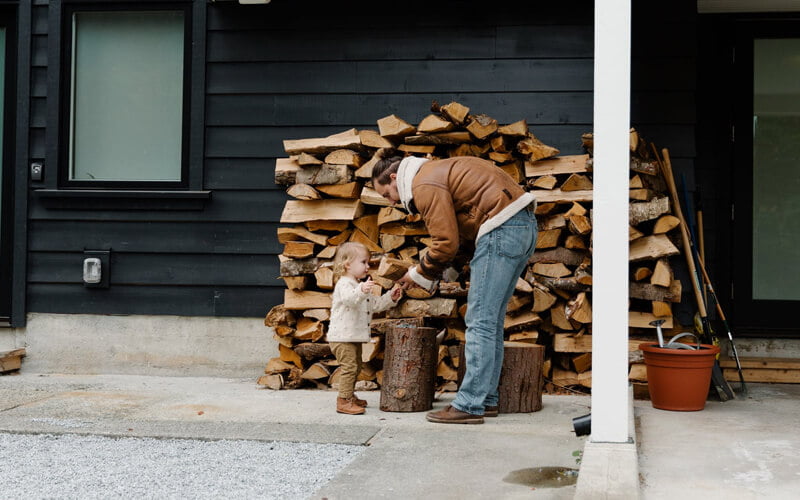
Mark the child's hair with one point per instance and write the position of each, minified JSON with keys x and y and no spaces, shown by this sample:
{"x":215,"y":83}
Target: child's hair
{"x":345,"y":254}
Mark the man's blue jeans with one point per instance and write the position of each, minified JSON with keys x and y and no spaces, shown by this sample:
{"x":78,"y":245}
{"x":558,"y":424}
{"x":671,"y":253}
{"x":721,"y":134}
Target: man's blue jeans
{"x":500,"y":257}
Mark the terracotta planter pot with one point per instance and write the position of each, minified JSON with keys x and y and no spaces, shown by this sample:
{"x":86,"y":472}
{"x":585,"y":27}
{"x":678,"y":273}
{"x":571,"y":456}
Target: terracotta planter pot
{"x":679,"y":379}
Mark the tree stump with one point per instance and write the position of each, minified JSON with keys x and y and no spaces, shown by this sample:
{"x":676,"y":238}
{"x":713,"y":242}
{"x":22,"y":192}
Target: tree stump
{"x":409,"y":368}
{"x":521,"y":379}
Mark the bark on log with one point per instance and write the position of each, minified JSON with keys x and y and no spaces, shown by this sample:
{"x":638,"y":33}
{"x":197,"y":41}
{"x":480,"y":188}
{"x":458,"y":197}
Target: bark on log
{"x":311,"y":350}
{"x":409,"y":369}
{"x":521,"y":380}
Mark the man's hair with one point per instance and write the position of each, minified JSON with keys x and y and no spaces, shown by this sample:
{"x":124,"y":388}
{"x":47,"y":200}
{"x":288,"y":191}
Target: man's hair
{"x":387,"y":165}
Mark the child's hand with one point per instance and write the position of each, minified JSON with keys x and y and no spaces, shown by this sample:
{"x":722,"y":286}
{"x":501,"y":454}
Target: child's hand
{"x":397,"y":292}
{"x":366,"y":286}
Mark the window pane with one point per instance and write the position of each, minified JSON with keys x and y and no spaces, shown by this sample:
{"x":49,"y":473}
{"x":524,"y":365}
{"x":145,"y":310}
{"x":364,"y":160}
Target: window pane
{"x":127,"y":96}
{"x":776,"y":175}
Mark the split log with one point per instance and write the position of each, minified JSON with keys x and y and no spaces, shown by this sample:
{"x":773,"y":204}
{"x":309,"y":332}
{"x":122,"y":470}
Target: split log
{"x":535,"y":149}
{"x":433,"y":308}
{"x":286,"y":171}
{"x":569,"y":342}
{"x":271,"y":381}
{"x":347,"y":190}
{"x":577,"y":182}
{"x":567,"y":378}
{"x":567,"y":164}
{"x":560,"y":254}
{"x":481,"y":126}
{"x":443,"y":138}
{"x":646,"y":291}
{"x":316,"y":372}
{"x":421,"y":149}
{"x":579,"y":309}
{"x":303,"y":192}
{"x":561,"y":196}
{"x":455,"y":112}
{"x":279,"y":315}
{"x":393,"y":269}
{"x":432,"y":124}
{"x":333,"y":209}
{"x":295,"y":233}
{"x":324,"y":174}
{"x":309,"y":329}
{"x":306,"y":299}
{"x":349,"y":139}
{"x":652,"y":248}
{"x":666,"y":223}
{"x":373,"y":139}
{"x":11,"y":360}
{"x":313,"y":350}
{"x":648,"y":210}
{"x":393,"y":126}
{"x":545,"y":182}
{"x":298,"y":249}
{"x":662,"y":273}
{"x":344,"y":157}
{"x":296,"y":267}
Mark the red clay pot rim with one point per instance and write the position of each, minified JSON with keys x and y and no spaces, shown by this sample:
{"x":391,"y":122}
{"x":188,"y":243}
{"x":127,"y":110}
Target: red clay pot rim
{"x":705,"y":350}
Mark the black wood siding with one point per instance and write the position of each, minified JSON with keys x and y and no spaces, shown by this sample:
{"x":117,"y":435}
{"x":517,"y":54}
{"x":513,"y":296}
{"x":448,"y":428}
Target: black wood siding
{"x":292,"y":70}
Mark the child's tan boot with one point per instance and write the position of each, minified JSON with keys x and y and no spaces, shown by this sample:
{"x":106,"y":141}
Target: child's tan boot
{"x":360,"y":402}
{"x":347,"y":406}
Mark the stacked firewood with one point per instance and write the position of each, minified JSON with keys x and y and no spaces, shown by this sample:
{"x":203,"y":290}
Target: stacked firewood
{"x":333,"y":202}
{"x":562,"y":262}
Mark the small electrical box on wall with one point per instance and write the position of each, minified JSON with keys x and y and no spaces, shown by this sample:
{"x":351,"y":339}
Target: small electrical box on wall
{"x":96,"y":268}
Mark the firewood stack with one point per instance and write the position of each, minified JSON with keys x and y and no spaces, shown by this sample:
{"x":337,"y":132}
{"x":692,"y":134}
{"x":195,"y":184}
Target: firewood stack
{"x":333,"y":202}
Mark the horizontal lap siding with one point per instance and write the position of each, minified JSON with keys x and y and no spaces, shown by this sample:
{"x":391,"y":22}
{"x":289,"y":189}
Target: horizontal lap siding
{"x":277,"y":73}
{"x":220,"y":261}
{"x":292,"y":70}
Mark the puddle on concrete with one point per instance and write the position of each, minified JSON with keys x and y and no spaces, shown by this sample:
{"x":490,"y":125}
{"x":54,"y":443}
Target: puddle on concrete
{"x":543,"y":477}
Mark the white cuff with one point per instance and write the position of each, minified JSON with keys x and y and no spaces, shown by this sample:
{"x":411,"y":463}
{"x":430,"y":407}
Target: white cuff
{"x":421,"y":280}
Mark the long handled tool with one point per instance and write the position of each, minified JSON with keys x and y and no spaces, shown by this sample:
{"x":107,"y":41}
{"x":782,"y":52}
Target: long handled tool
{"x":710,"y":288}
{"x":721,"y":386}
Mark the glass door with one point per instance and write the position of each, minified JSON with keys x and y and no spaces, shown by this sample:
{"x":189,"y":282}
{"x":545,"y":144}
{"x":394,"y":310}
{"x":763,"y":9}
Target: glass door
{"x":766,"y":271}
{"x":5,"y":188}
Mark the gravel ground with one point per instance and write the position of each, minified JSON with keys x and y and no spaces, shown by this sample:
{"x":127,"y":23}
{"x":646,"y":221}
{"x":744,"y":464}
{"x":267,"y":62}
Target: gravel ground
{"x":69,"y":466}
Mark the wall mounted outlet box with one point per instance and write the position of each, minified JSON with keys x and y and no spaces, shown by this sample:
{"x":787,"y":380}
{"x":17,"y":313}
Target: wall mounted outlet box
{"x":37,"y":171}
{"x":96,"y":268}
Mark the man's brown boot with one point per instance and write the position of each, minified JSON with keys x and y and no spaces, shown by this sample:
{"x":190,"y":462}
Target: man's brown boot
{"x":348,"y":407}
{"x":491,"y":411}
{"x":452,"y":415}
{"x":360,"y":402}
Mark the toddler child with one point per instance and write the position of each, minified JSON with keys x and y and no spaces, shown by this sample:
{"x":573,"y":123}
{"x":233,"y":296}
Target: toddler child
{"x":351,"y":312}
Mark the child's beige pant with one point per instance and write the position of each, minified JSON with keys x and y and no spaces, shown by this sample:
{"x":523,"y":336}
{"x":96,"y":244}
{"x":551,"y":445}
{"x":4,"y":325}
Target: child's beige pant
{"x":348,"y":354}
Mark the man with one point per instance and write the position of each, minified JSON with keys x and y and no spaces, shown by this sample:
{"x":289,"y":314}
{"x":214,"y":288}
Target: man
{"x":467,"y":200}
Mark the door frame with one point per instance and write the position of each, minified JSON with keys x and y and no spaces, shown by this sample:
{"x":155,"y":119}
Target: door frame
{"x":7,"y":143}
{"x":17,"y":18}
{"x":759,"y":318}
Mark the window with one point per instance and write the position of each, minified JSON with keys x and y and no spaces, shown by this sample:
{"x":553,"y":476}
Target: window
{"x":126,"y":97}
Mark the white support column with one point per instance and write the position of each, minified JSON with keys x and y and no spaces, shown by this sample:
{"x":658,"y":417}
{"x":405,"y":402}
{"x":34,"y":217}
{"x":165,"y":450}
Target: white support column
{"x":612,"y":44}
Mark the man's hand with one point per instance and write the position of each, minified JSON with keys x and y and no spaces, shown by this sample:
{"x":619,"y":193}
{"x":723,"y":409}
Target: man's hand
{"x":406,"y":282}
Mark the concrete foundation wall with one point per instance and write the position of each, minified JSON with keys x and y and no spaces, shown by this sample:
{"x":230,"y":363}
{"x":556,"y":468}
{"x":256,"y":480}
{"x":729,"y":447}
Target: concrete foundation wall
{"x":143,"y":345}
